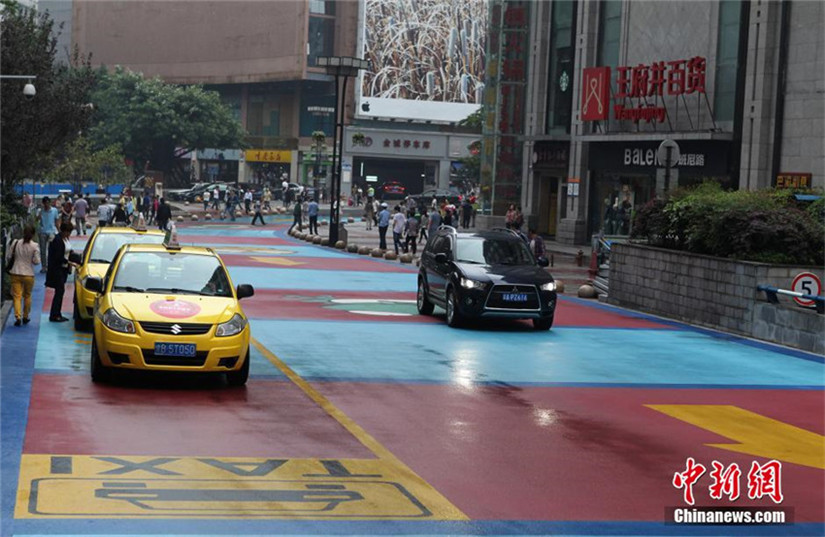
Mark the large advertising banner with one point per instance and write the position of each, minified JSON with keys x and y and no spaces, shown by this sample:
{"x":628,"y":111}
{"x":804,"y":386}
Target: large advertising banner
{"x":427,"y":58}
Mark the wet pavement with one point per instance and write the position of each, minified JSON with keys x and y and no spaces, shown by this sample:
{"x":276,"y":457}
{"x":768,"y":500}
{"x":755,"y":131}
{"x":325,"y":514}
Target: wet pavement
{"x":363,"y":418}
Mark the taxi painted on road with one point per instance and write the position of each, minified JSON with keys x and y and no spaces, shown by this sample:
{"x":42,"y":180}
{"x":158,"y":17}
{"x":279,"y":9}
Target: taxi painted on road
{"x":98,"y":254}
{"x":169,"y":308}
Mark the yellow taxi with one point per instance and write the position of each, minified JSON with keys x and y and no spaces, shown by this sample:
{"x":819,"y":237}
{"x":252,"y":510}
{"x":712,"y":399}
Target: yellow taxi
{"x":169,"y":308}
{"x":94,"y":262}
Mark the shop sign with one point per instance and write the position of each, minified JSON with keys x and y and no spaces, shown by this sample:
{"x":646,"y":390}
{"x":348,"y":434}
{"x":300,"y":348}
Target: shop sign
{"x":709,"y":158}
{"x":267,"y":155}
{"x":793,"y":180}
{"x":660,"y":78}
{"x":406,"y":143}
{"x":550,"y":154}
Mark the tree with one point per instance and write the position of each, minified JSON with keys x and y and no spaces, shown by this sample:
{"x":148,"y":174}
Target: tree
{"x":82,"y":163}
{"x":156,"y":123}
{"x":33,"y":129}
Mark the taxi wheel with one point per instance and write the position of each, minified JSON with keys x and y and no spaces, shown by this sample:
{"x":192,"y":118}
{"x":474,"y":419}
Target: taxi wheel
{"x":238,"y":378}
{"x":99,"y":371}
{"x":80,"y":324}
{"x":425,"y":307}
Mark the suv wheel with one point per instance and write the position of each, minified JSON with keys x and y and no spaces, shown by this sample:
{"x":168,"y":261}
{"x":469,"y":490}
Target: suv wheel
{"x":543,"y":324}
{"x":453,"y":315}
{"x":425,"y":307}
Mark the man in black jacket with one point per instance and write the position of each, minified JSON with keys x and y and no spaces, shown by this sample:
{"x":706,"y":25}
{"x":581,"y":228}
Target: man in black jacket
{"x":164,"y":214}
{"x":58,"y":271}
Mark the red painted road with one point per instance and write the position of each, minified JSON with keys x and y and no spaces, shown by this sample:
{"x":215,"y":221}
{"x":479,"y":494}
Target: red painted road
{"x":270,"y":418}
{"x":541,"y":453}
{"x":208,"y":240}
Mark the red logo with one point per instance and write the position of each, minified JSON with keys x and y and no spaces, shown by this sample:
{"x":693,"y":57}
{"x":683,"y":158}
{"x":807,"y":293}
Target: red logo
{"x":175,"y":309}
{"x":595,"y":93}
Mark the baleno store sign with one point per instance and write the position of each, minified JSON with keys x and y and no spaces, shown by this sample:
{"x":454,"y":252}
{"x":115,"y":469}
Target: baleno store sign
{"x":641,"y":82}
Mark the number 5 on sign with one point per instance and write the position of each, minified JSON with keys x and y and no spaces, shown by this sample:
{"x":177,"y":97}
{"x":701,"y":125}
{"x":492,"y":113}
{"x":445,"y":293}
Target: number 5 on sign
{"x":808,"y":283}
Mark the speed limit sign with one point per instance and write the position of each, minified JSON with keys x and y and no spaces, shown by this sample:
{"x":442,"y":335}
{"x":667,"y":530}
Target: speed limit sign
{"x":807,"y":283}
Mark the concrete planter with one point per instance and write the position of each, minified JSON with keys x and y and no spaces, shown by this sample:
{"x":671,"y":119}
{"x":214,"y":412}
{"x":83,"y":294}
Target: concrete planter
{"x":714,"y":292}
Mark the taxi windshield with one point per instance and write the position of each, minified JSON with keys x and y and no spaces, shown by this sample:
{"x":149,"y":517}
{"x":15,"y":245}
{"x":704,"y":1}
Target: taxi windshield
{"x":106,"y":245}
{"x":171,"y":273}
{"x":493,"y":252}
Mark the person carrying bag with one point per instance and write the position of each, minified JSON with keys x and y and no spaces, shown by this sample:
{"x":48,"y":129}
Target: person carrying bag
{"x":21,"y":259}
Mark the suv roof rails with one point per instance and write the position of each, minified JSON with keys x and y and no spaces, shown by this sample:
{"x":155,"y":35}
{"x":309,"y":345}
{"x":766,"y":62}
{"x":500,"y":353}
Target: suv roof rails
{"x":450,"y":228}
{"x":508,"y":230}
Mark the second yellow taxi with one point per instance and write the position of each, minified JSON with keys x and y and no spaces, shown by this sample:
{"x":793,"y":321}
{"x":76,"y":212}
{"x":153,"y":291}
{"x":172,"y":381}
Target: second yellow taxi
{"x":169,"y":308}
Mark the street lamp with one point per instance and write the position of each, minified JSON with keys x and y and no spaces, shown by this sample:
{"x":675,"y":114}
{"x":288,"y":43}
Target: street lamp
{"x":339,"y":67}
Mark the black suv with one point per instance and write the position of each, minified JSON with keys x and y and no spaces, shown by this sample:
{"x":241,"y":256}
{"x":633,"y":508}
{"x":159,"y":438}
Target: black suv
{"x":485,"y":274}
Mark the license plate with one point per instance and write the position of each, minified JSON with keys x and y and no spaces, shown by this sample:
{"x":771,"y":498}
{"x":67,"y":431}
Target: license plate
{"x":514,"y":297}
{"x":175,"y":349}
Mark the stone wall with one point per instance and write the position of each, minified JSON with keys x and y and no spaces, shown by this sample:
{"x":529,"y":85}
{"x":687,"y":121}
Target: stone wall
{"x":713,"y":292}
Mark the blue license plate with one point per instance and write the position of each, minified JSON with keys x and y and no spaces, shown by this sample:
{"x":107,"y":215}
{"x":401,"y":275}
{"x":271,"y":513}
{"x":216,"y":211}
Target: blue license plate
{"x":175,"y":349}
{"x":514,"y":297}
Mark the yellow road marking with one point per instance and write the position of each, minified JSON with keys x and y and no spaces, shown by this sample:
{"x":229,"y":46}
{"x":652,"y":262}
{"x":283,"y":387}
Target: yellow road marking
{"x":426,"y":493}
{"x":283,"y":261}
{"x":755,"y":434}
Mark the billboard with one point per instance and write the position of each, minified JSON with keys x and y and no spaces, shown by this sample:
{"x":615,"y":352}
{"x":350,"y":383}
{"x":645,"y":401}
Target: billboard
{"x":427,"y":58}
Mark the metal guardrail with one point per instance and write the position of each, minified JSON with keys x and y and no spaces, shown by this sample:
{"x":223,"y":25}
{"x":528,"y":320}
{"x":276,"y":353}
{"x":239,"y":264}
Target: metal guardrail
{"x":772,"y":292}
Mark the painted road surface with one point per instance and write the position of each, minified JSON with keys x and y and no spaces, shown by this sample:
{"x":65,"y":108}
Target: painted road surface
{"x":363,"y":418}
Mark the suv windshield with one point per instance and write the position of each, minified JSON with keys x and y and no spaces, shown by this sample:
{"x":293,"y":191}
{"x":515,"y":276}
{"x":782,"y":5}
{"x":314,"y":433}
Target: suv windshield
{"x":493,"y":252}
{"x":176,"y":273}
{"x":107,"y":244}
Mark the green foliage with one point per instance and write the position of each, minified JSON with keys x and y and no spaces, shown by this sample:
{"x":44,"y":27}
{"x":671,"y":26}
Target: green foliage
{"x":155,"y":122}
{"x":34,"y":129}
{"x":767,"y":226}
{"x":474,"y":121}
{"x":82,"y":163}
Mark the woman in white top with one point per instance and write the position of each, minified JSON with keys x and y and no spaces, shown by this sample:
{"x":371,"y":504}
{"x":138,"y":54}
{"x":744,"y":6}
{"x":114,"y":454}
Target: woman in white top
{"x":26,"y":255}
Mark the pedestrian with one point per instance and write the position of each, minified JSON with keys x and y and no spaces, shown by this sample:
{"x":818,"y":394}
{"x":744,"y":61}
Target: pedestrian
{"x":120,"y":217}
{"x":147,"y":203}
{"x":216,"y":199}
{"x":466,"y":212}
{"x":435,"y":222}
{"x":49,"y":220}
{"x":206,"y":197}
{"x":383,"y":224}
{"x":304,"y":207}
{"x":312,"y":210}
{"x":21,"y":258}
{"x":81,"y":207}
{"x":370,"y":194}
{"x":519,"y":217}
{"x":164,"y":214}
{"x":510,"y":216}
{"x":536,"y":244}
{"x":27,"y":201}
{"x":399,"y":224}
{"x":296,"y":217}
{"x":412,"y":232}
{"x":476,"y":207}
{"x":105,"y":214}
{"x":258,"y":214}
{"x":423,"y":225}
{"x":267,"y":198}
{"x":155,"y":207}
{"x":369,"y":214}
{"x":247,"y":200}
{"x":447,"y":219}
{"x":66,"y":211}
{"x":517,"y":228}
{"x":58,"y":270}
{"x":285,"y":191}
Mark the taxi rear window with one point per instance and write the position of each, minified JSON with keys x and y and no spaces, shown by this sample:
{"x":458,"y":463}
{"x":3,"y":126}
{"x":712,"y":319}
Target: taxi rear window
{"x":171,"y":273}
{"x":106,"y":245}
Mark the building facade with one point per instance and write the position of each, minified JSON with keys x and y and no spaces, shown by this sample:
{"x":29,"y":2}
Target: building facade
{"x":576,"y":120}
{"x":260,"y":57}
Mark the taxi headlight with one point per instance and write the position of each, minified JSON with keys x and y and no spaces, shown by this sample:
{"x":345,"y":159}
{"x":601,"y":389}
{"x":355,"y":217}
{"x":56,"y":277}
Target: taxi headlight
{"x":114,"y":321}
{"x":231,"y":327}
{"x":467,"y":283}
{"x":549,"y":286}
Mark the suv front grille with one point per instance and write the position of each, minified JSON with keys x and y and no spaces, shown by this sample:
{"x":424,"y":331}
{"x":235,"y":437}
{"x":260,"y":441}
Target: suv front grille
{"x":495,"y":300}
{"x":184,"y":329}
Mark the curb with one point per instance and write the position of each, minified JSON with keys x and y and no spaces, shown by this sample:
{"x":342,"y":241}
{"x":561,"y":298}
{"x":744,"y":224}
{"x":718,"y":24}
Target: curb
{"x":4,"y":314}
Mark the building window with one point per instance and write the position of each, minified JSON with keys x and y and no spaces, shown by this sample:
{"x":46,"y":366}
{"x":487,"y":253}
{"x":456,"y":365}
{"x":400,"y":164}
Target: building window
{"x":321,"y":38}
{"x":610,"y":32}
{"x":317,"y":106}
{"x":560,"y":85}
{"x":727,"y":55}
{"x":322,"y":7}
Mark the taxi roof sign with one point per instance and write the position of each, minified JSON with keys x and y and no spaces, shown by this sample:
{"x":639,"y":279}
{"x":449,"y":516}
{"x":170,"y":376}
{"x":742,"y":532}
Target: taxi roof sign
{"x":140,"y":223}
{"x":171,"y":242}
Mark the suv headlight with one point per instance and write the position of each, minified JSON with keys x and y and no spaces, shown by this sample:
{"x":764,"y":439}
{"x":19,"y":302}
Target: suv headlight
{"x":472,"y":284}
{"x":113,"y":321}
{"x":549,"y":286}
{"x":231,"y":327}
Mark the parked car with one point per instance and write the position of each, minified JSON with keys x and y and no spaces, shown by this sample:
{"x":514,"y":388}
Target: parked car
{"x":485,"y":274}
{"x":392,"y":190}
{"x":425,"y":198}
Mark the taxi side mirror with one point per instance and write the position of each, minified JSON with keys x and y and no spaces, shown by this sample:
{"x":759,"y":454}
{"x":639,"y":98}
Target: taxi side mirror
{"x":245,"y":290}
{"x":543,"y":262}
{"x":94,"y":284}
{"x":75,"y":258}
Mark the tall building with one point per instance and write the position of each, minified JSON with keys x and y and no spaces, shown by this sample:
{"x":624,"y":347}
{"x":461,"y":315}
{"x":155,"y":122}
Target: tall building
{"x":581,"y":94}
{"x":260,"y":57}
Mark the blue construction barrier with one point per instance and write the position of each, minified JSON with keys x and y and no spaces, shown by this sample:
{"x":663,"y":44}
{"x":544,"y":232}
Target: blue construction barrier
{"x":55,"y":189}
